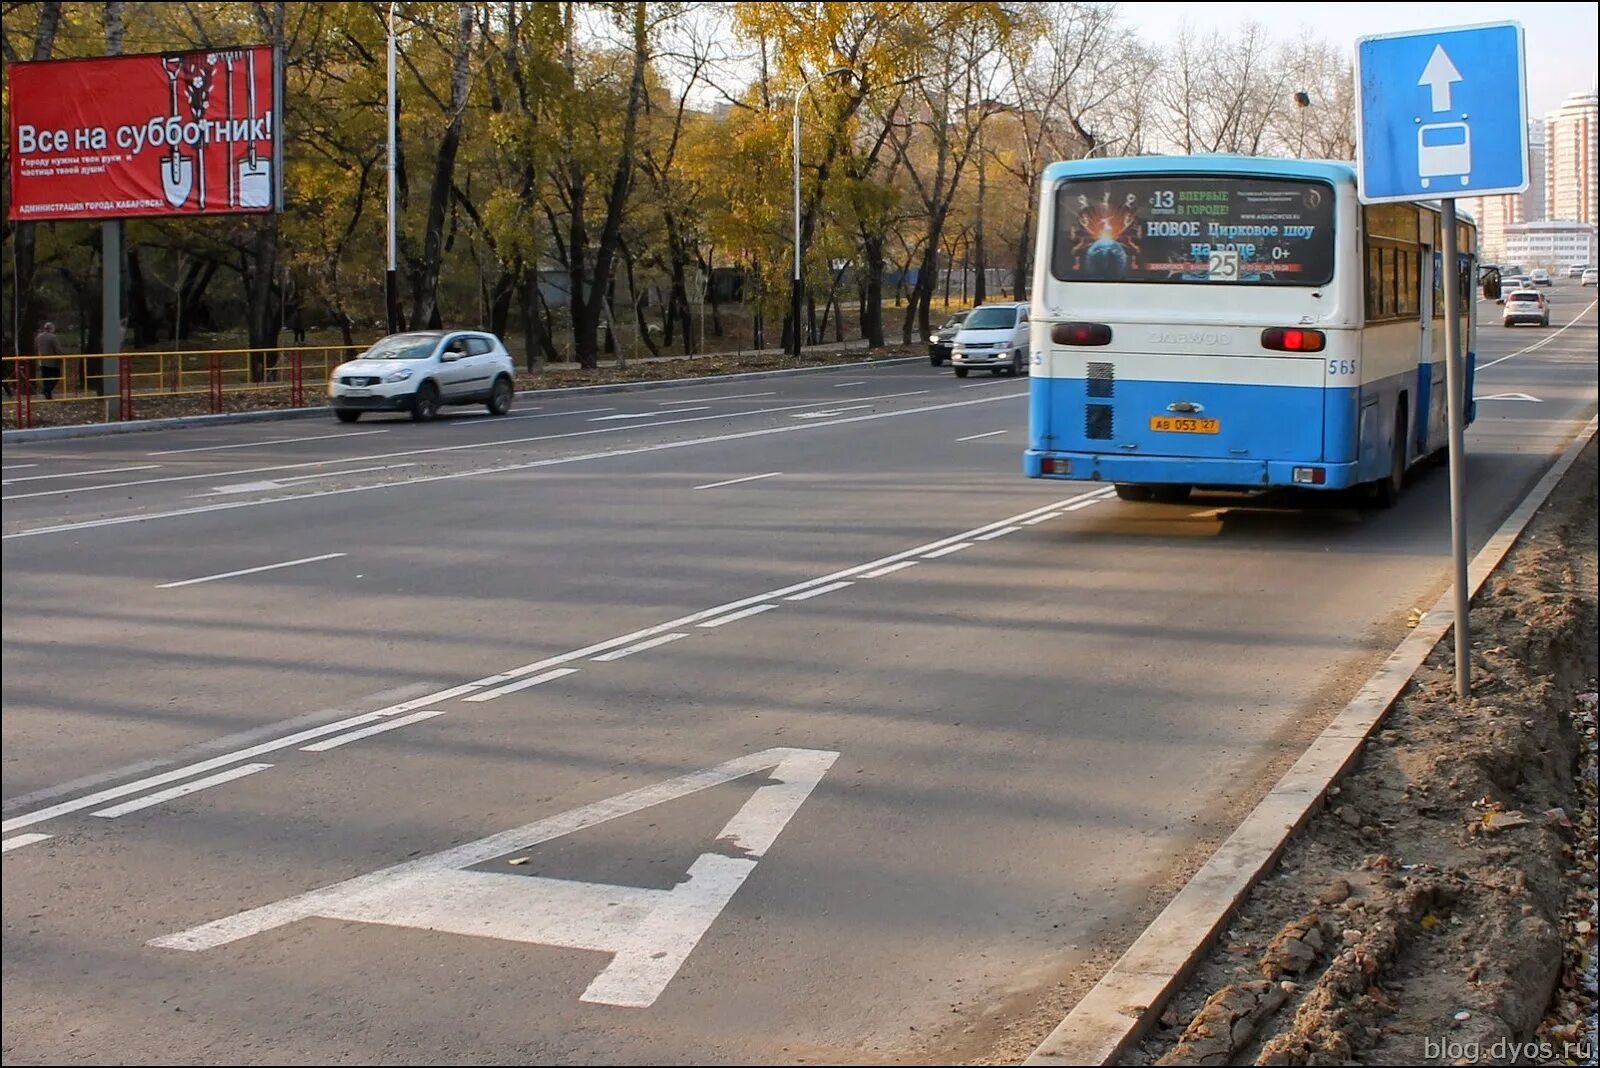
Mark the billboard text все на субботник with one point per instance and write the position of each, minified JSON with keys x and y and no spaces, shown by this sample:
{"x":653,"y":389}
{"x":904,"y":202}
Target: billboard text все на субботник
{"x":171,"y":133}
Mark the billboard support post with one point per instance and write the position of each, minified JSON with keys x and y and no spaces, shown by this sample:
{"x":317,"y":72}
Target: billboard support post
{"x":110,"y":314}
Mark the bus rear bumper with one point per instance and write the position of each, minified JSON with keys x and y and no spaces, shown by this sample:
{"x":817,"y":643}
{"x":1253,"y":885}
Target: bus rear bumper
{"x":1179,"y":471}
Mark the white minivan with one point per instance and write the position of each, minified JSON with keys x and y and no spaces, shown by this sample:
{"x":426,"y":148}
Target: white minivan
{"x":994,"y":336}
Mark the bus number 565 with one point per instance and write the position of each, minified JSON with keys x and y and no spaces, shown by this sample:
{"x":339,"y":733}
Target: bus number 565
{"x":1341,"y":367}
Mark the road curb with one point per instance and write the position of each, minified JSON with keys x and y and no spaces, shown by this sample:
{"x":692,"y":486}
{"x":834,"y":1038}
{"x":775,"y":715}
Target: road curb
{"x":1129,"y":998}
{"x":185,"y":422}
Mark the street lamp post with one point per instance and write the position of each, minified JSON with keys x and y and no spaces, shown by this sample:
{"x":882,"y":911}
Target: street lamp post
{"x":796,"y":289}
{"x":391,"y":285}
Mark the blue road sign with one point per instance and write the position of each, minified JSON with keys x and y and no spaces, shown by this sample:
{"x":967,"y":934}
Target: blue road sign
{"x":1441,"y":113}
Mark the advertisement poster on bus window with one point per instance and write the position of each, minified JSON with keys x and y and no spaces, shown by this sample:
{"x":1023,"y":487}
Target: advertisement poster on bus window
{"x":163,"y":134}
{"x":1195,"y":228}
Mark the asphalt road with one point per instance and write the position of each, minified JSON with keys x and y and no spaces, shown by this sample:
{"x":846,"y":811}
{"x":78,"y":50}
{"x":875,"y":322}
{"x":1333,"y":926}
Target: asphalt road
{"x":743,"y":722}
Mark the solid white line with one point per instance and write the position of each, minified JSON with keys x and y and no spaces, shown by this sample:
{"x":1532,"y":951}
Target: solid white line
{"x":841,"y":385}
{"x":15,"y":467}
{"x":1083,"y":504}
{"x":975,"y":437}
{"x":1541,"y":344}
{"x":187,"y":788}
{"x":81,"y":474}
{"x":522,"y":684}
{"x":618,"y":654}
{"x":28,"y":819}
{"x":731,"y":396}
{"x":715,"y":439}
{"x":947,"y":550}
{"x":649,"y":415}
{"x":262,"y":444}
{"x":879,"y":566}
{"x":20,"y":840}
{"x":993,"y":534}
{"x":991,"y":382}
{"x":1041,"y":519}
{"x":293,"y":479}
{"x":744,"y":613}
{"x":820,"y":590}
{"x":248,"y":571}
{"x":736,"y":481}
{"x":492,"y":420}
{"x":367,"y":732}
{"x":891,"y":569}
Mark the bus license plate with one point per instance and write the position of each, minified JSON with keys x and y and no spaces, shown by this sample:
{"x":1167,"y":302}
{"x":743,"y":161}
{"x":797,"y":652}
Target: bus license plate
{"x":1175,"y":424}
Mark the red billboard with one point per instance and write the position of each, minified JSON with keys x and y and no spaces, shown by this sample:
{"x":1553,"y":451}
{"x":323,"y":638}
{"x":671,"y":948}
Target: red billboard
{"x":172,"y":133}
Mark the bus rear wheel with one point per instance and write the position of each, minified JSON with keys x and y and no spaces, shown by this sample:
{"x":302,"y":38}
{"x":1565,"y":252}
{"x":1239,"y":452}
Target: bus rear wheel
{"x":1386,"y":491}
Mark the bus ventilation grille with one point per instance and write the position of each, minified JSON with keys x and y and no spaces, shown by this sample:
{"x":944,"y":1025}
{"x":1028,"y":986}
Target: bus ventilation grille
{"x":1097,"y":421}
{"x":1102,"y":380}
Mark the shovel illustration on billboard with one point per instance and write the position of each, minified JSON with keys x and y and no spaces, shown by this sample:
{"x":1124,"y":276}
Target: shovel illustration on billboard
{"x":177,"y":170}
{"x":229,"y":59}
{"x":255,"y":172}
{"x":198,"y":76}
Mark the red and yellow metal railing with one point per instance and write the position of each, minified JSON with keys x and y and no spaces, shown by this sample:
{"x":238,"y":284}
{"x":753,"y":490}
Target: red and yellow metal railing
{"x":117,"y":386}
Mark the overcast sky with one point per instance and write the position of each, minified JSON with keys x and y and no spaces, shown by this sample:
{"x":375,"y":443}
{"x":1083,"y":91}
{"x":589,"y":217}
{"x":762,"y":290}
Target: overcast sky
{"x":1560,"y":36}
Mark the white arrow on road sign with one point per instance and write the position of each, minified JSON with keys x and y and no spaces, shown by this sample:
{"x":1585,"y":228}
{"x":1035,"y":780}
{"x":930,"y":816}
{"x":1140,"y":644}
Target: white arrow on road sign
{"x":1510,"y":397}
{"x":649,"y":932}
{"x":1438,"y":75}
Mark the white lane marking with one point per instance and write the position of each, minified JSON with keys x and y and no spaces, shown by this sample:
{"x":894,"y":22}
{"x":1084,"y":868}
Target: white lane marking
{"x":820,"y":590}
{"x":487,"y":445}
{"x":649,"y":415}
{"x":649,"y":932}
{"x":1041,"y":518}
{"x":993,"y":534}
{"x":1084,"y":504}
{"x":65,"y":808}
{"x":263,"y":444}
{"x":19,"y":840}
{"x":79,"y":474}
{"x":1541,"y":344}
{"x":975,"y":437}
{"x":891,"y":569}
{"x":16,"y":467}
{"x":743,"y":613}
{"x":730,"y":396}
{"x":975,"y":385}
{"x":367,"y":732}
{"x":521,"y":684}
{"x":1509,"y":397}
{"x":295,"y":480}
{"x":639,"y":647}
{"x":715,"y":439}
{"x":830,"y":412}
{"x":488,"y":420}
{"x":841,"y":385}
{"x":881,"y":566}
{"x":736,"y":481}
{"x":947,"y":550}
{"x":249,"y":571}
{"x":150,"y":800}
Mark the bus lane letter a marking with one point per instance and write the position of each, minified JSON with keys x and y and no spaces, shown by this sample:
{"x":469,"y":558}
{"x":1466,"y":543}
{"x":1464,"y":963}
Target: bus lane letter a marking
{"x":649,"y":932}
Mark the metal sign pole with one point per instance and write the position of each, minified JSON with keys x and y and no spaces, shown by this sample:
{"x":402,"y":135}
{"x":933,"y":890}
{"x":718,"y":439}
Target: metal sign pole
{"x":1456,"y":401}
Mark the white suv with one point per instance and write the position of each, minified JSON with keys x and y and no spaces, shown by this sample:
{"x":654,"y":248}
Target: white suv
{"x":994,"y":336}
{"x":421,"y":371}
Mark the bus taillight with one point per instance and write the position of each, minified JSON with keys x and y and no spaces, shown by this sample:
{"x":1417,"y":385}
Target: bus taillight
{"x":1081,"y":334}
{"x":1291,"y":339}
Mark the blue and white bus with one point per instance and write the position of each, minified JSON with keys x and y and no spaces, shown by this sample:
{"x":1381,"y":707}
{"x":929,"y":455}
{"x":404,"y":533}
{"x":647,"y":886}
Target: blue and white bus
{"x":1235,"y":323}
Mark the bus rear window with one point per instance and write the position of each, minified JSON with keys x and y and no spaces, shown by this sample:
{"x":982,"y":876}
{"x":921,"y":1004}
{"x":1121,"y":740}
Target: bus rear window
{"x":1204,"y":229}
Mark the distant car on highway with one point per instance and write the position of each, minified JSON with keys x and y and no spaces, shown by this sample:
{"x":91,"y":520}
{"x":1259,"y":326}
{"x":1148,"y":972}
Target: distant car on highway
{"x":1526,"y":306}
{"x":1591,"y":276}
{"x":994,"y":336}
{"x":1510,"y":282}
{"x":1575,"y":270}
{"x":421,"y":371}
{"x":940,"y":340}
{"x":1539,"y":276}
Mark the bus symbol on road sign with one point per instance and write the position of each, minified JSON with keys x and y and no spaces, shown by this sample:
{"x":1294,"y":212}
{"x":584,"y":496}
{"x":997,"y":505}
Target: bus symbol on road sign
{"x":1444,"y":149}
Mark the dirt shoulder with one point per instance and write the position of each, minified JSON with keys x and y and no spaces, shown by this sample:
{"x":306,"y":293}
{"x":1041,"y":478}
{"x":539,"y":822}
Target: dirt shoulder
{"x":1441,"y":909}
